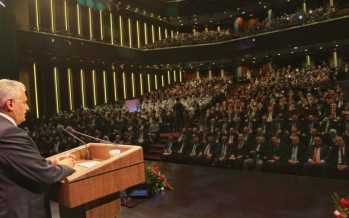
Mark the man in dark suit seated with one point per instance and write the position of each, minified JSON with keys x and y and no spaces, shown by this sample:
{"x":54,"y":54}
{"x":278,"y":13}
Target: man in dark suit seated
{"x":275,"y":152}
{"x":339,"y":159}
{"x":24,"y":173}
{"x":317,"y":158}
{"x":170,"y":150}
{"x":258,"y":154}
{"x":293,"y":158}
{"x":241,"y":152}
{"x":195,"y":148}
{"x":208,"y":152}
{"x":183,"y":150}
{"x":223,"y":152}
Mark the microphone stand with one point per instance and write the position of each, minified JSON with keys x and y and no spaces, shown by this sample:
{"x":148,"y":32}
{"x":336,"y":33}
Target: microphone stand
{"x":88,"y":136}
{"x":87,"y":156}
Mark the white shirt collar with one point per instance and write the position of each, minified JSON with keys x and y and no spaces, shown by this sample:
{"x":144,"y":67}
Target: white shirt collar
{"x":9,"y":118}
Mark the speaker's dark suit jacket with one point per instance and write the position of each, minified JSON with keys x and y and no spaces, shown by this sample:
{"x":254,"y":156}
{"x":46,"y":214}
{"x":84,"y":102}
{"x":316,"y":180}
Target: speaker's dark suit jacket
{"x":24,"y":175}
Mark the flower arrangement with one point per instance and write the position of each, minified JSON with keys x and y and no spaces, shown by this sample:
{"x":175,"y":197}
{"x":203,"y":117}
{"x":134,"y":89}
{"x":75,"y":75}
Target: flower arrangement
{"x":341,"y":206}
{"x":156,"y":181}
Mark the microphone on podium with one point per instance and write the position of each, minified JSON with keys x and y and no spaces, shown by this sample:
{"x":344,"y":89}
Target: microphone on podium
{"x":61,"y":127}
{"x":71,"y":130}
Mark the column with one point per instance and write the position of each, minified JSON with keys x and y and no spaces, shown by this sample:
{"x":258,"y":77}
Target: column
{"x":145,"y":33}
{"x":152,"y":34}
{"x":115,"y":86}
{"x":66,"y":17}
{"x":238,"y":72}
{"x":218,"y":28}
{"x":53,"y":28}
{"x":101,"y":25}
{"x":138,"y":34}
{"x":133,"y":85}
{"x":159,"y":31}
{"x":197,"y":74}
{"x":70,"y":89}
{"x":37,"y":15}
{"x":331,"y":3}
{"x":168,"y":77}
{"x":304,"y":6}
{"x":94,"y":87}
{"x":121,"y":26}
{"x":36,"y":91}
{"x":156,"y":81}
{"x":129,"y":32}
{"x":335,"y":59}
{"x":222,"y":73}
{"x":111,"y":28}
{"x":56,"y":84}
{"x":166,"y":33}
{"x":105,"y":86}
{"x":124,"y":83}
{"x":174,"y":76}
{"x":78,"y":18}
{"x":141,"y":83}
{"x":210,"y":74}
{"x":90,"y":22}
{"x":307,"y":58}
{"x":82,"y":82}
{"x":149,"y":84}
{"x":180,"y":75}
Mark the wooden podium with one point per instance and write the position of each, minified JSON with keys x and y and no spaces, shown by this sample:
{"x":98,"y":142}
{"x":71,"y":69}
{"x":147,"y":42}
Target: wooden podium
{"x":93,"y":192}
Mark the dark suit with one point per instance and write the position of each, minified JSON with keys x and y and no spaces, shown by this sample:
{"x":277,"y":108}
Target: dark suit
{"x":334,"y":162}
{"x":309,"y":169}
{"x":24,"y":175}
{"x":299,"y":156}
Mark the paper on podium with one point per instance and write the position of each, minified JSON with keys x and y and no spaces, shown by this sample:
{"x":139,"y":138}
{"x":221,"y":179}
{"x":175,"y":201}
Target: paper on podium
{"x":89,"y":164}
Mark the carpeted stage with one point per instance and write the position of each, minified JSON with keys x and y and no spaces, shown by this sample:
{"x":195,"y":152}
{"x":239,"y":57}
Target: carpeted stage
{"x":213,"y":192}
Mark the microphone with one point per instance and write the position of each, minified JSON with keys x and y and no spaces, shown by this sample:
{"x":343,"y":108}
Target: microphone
{"x":70,"y":129}
{"x":61,"y":127}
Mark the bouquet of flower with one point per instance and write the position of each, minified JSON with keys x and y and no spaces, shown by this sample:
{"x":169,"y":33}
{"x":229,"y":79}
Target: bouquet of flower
{"x":156,"y":181}
{"x":341,"y":206}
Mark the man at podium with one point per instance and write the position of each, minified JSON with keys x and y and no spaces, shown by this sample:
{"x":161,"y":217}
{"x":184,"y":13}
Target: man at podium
{"x":24,"y":173}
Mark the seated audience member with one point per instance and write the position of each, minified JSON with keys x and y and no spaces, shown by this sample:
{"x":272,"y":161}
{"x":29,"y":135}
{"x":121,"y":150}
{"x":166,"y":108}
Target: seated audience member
{"x":58,"y":146}
{"x":331,"y":138}
{"x":317,"y":158}
{"x":153,"y":131}
{"x":195,"y":148}
{"x":340,"y":159}
{"x":293,"y":158}
{"x":241,"y":152}
{"x":258,"y":155}
{"x":231,"y":136}
{"x":223,"y":152}
{"x":309,"y":139}
{"x":310,"y":124}
{"x":170,"y":150}
{"x":275,"y":152}
{"x":328,"y":123}
{"x":183,"y":150}
{"x":208,"y":152}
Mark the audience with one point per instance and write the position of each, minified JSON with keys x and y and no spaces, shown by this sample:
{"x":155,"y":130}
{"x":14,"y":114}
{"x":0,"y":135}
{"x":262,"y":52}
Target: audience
{"x":287,"y":121}
{"x":267,"y":25}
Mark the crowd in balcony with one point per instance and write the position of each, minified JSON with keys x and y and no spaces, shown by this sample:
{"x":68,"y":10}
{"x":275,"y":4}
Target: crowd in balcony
{"x":288,"y":121}
{"x":267,"y":25}
{"x":113,"y":122}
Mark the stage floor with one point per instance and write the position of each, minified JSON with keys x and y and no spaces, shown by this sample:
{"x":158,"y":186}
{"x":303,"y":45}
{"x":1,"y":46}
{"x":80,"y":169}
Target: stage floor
{"x":214,"y":192}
